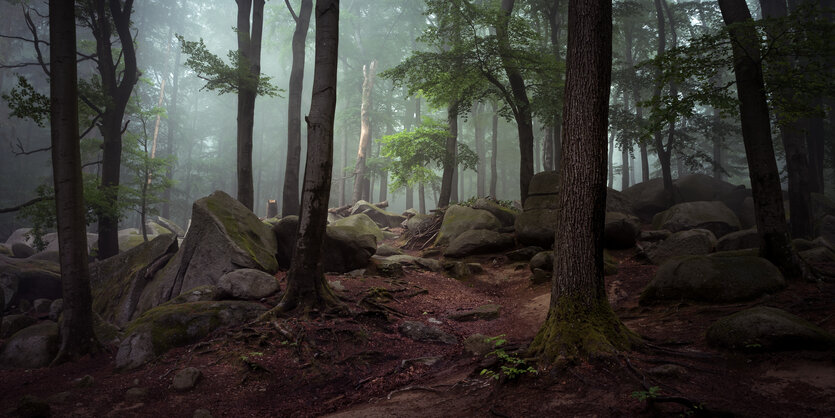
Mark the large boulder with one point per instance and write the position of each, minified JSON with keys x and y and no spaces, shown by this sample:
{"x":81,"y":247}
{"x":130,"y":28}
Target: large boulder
{"x":616,"y":201}
{"x":459,"y":219}
{"x":418,"y":222}
{"x":382,"y":218}
{"x":692,"y":242}
{"x":543,"y":191}
{"x":348,"y":245}
{"x":648,"y":198}
{"x":359,"y":224}
{"x":768,"y":329}
{"x":14,"y":323}
{"x":21,"y":250}
{"x":740,"y":240}
{"x":536,"y":227}
{"x":713,"y":279}
{"x":174,"y":325}
{"x":713,"y":216}
{"x":31,"y":347}
{"x":224,"y":236}
{"x":701,"y":187}
{"x":171,"y":226}
{"x":285,"y":230}
{"x":29,"y":279}
{"x":478,"y":241}
{"x":248,"y":284}
{"x":118,"y":282}
{"x":20,"y":235}
{"x":620,"y":230}
{"x":505,"y":215}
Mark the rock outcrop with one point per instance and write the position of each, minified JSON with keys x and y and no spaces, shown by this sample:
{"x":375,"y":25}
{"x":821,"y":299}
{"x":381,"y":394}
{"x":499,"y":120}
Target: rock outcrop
{"x":768,"y":329}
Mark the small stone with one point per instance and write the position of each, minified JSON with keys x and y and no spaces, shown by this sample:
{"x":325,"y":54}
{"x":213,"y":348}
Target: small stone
{"x":419,"y":331}
{"x":337,"y":286}
{"x":540,"y":276}
{"x":202,"y":413}
{"x":434,"y":321}
{"x":84,"y":382}
{"x":475,"y":268}
{"x":135,"y":394}
{"x":186,"y":379}
{"x":41,"y":306}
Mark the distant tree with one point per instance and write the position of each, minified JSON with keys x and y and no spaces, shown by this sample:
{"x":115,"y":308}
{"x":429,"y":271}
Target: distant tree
{"x":307,"y":288}
{"x":361,"y":181}
{"x":290,"y":199}
{"x":580,"y":322}
{"x":77,"y":337}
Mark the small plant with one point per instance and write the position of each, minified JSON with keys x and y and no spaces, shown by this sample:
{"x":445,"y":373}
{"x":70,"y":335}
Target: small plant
{"x":511,"y":365}
{"x":643,"y":395}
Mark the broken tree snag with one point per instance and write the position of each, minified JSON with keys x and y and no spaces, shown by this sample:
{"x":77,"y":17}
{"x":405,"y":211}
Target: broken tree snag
{"x":272,"y":208}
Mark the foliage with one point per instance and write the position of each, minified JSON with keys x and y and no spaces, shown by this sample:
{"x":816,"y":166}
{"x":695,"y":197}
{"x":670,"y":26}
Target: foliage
{"x":412,"y":153}
{"x":512,"y":367}
{"x":26,"y":103}
{"x":644,"y":395}
{"x":226,"y":78}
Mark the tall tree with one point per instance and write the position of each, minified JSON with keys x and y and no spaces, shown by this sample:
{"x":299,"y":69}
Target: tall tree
{"x":307,"y":288}
{"x":77,"y":337}
{"x":479,"y":150}
{"x":117,"y":82}
{"x":580,"y":322}
{"x":290,"y":196}
{"x":494,"y":150}
{"x":361,"y":181}
{"x":249,"y":66}
{"x":450,"y":163}
{"x":663,"y":152}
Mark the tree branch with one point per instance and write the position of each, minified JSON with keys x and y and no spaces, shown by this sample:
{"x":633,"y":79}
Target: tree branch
{"x":23,"y":205}
{"x":22,"y":151}
{"x":292,"y":13}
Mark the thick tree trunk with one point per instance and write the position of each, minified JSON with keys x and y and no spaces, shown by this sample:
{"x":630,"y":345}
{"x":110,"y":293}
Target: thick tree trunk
{"x":77,"y":337}
{"x":756,"y":135}
{"x":249,"y":47}
{"x":548,"y":149}
{"x":307,"y":289}
{"x":421,"y":198}
{"x":290,"y":194}
{"x":360,"y":175}
{"x":450,"y":161}
{"x":494,"y":151}
{"x":580,"y":322}
{"x":658,"y":141}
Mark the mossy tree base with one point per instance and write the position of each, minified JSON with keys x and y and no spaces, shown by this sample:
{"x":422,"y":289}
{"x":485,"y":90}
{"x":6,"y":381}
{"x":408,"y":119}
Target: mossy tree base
{"x":303,"y":299}
{"x":575,"y":331}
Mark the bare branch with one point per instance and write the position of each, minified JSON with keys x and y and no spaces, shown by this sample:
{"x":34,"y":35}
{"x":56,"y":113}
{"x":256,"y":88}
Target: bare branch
{"x":23,"y":205}
{"x":292,"y":13}
{"x":90,"y":104}
{"x":21,"y":151}
{"x":90,"y":163}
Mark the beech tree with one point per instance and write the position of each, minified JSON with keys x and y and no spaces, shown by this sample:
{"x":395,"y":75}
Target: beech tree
{"x":77,"y":337}
{"x":580,"y":321}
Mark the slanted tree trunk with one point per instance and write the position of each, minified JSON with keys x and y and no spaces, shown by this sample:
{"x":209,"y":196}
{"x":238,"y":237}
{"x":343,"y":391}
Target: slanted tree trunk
{"x":494,"y":151}
{"x":249,"y":47}
{"x":580,"y":322}
{"x":756,"y":135}
{"x":307,"y":288}
{"x":290,"y":194}
{"x":77,"y":337}
{"x":368,"y":73}
{"x":450,"y":161}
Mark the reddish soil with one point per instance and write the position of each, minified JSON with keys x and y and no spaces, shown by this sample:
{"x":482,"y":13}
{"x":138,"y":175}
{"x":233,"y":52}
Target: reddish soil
{"x":360,"y":366}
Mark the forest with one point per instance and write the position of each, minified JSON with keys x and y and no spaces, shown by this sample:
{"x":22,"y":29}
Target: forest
{"x":417,"y":208}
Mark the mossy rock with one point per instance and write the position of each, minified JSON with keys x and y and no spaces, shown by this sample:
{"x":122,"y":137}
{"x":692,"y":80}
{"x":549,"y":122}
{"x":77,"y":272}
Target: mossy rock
{"x":5,"y":250}
{"x":459,"y":219}
{"x":620,"y":230}
{"x":14,"y":323}
{"x":768,"y":329}
{"x":682,"y":243}
{"x":739,"y":240}
{"x":479,"y":241}
{"x":244,"y":229}
{"x":536,"y":227}
{"x":713,"y":216}
{"x":359,"y":224}
{"x":713,"y":280}
{"x":31,"y":347}
{"x":25,"y":279}
{"x":544,"y":183}
{"x":506,"y":216}
{"x":382,"y":218}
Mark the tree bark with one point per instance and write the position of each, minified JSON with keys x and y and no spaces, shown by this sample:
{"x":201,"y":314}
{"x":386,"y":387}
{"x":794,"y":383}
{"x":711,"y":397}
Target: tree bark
{"x":290,"y":194}
{"x":494,"y":174}
{"x":580,"y":322}
{"x":450,"y":161}
{"x":342,"y":178}
{"x":307,"y":289}
{"x":658,"y":141}
{"x":77,"y":337}
{"x":629,"y":37}
{"x":756,"y":135}
{"x":481,"y":167}
{"x":611,"y":160}
{"x":249,"y":47}
{"x":717,"y":147}
{"x":360,"y":171}
{"x":173,"y":121}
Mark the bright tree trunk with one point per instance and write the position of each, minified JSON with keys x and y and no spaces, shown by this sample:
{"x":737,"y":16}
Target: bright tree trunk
{"x":360,"y":171}
{"x":580,"y":322}
{"x":290,"y":194}
{"x":494,"y":174}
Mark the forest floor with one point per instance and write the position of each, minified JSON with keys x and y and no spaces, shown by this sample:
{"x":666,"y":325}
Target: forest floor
{"x":361,"y":366}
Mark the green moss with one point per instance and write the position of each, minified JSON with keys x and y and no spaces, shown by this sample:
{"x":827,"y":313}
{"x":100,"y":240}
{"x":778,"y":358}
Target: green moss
{"x":245,"y":229}
{"x":175,"y":325}
{"x":610,"y":264}
{"x":574,"y":330}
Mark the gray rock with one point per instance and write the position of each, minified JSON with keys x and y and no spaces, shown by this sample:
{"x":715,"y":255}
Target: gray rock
{"x":25,"y":279}
{"x":648,"y":198}
{"x":768,"y":329}
{"x":692,"y":242}
{"x":459,"y":219}
{"x":536,"y":227}
{"x":382,"y":218}
{"x":524,"y":254}
{"x":135,"y":350}
{"x":134,"y":395}
{"x":15,"y":323}
{"x":713,"y":216}
{"x":20,"y":235}
{"x":31,"y":347}
{"x":171,"y":226}
{"x":186,"y":378}
{"x":419,"y":331}
{"x":544,"y":183}
{"x":224,"y":236}
{"x":654,"y":236}
{"x":478,"y":241}
{"x":478,"y":345}
{"x":620,"y":230}
{"x":457,"y":269}
{"x":507,"y":217}
{"x":41,"y":306}
{"x":51,"y":256}
{"x":359,"y":224}
{"x":418,"y":222}
{"x":386,"y":250}
{"x":21,"y":250}
{"x":5,"y":250}
{"x":713,"y":279}
{"x":618,"y":202}
{"x":349,"y":242}
{"x":55,"y":309}
{"x":199,"y":294}
{"x":740,"y":240}
{"x":430,"y":264}
{"x":248,"y":284}
{"x":484,"y":312}
{"x":384,"y":267}
{"x":543,"y":261}
{"x":117,"y":283}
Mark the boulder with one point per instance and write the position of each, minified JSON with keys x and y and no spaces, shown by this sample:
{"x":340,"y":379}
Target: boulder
{"x":648,"y":198}
{"x":359,"y":224}
{"x":620,"y":230}
{"x":118,"y":282}
{"x":386,"y":250}
{"x":349,"y":242}
{"x":506,"y":216}
{"x":740,"y":240}
{"x":384,"y":267}
{"x":14,"y":323}
{"x":713,"y":216}
{"x":459,"y":219}
{"x":536,"y":227}
{"x":20,"y":235}
{"x":248,"y":284}
{"x":199,"y":294}
{"x":50,"y":256}
{"x":55,"y":309}
{"x":524,"y":254}
{"x":701,"y":187}
{"x":5,"y":250}
{"x":132,"y":238}
{"x":544,"y":183}
{"x":174,"y":325}
{"x":543,"y":261}
{"x":32,"y":347}
{"x":484,"y":312}
{"x":478,"y":241}
{"x":41,"y":306}
{"x":186,"y":379}
{"x":24,"y":279}
{"x":768,"y":329}
{"x":224,"y":236}
{"x":713,"y":280}
{"x":654,"y":236}
{"x":479,"y":345}
{"x":21,"y":250}
{"x":692,"y":242}
{"x":418,"y":222}
{"x":618,"y":202}
{"x":171,"y":226}
{"x":382,"y":218}
{"x":419,"y":331}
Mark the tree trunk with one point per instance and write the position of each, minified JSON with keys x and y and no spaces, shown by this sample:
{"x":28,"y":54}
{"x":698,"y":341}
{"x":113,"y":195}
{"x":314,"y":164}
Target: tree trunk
{"x":717,"y":147}
{"x":636,"y":98}
{"x":421,"y":198}
{"x":611,"y":160}
{"x":249,"y":47}
{"x":449,"y":162}
{"x":658,"y":141}
{"x":342,"y":178}
{"x":173,"y":121}
{"x":368,"y":73}
{"x":290,"y":194}
{"x":494,"y":175}
{"x":756,"y":135}
{"x":77,"y":337}
{"x":307,"y":288}
{"x":481,"y":167}
{"x":626,"y":147}
{"x":580,"y":322}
